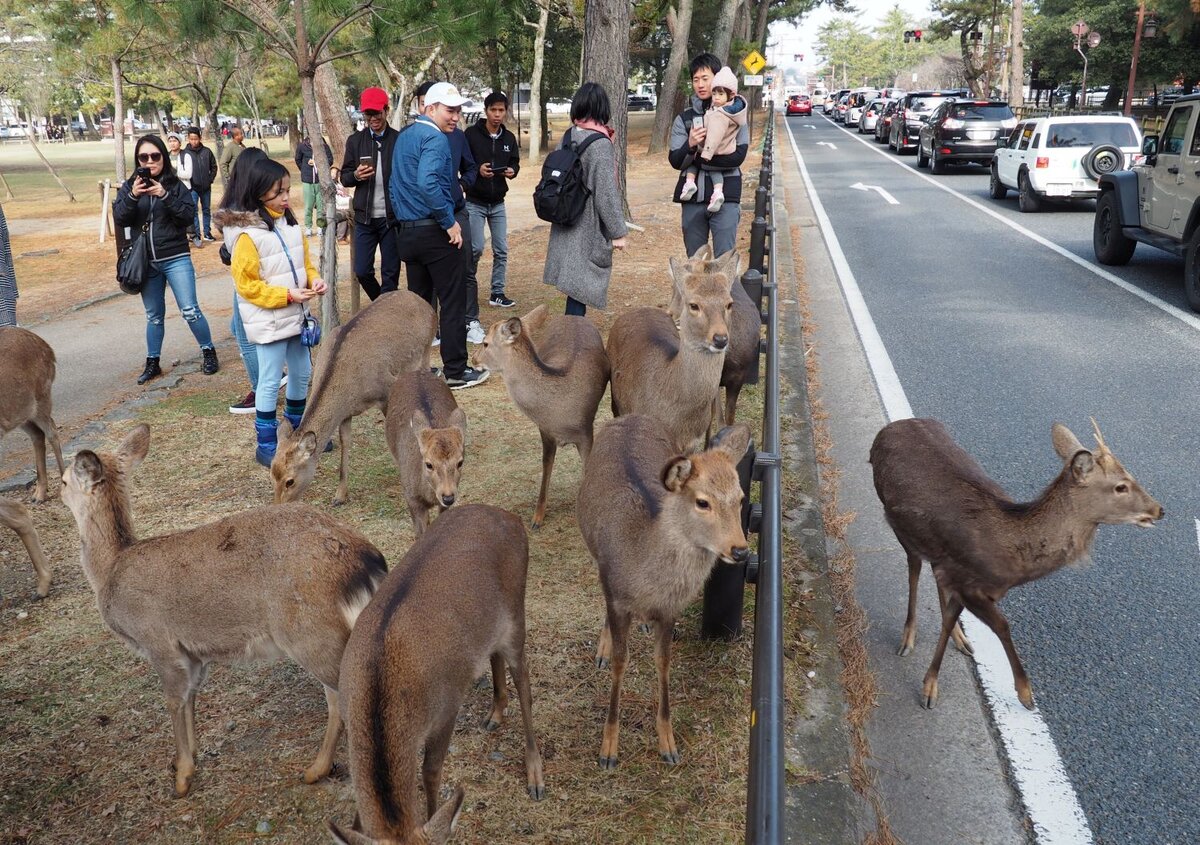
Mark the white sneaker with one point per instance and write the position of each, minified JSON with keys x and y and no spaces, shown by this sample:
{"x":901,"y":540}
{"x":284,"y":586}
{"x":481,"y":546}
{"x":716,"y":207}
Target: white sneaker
{"x":308,"y":233}
{"x":689,"y":190}
{"x":437,"y":340}
{"x":475,"y":332}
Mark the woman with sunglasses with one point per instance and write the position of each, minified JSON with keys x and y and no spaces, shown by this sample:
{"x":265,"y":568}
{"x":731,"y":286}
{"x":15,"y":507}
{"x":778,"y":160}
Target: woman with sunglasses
{"x":154,"y":200}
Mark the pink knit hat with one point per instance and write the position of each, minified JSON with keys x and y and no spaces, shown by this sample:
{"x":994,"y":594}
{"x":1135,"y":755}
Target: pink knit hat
{"x":725,"y":78}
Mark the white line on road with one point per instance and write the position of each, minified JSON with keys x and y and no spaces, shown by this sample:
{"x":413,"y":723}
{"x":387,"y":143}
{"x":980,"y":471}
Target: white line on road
{"x":1198,"y":532}
{"x":1047,"y":792}
{"x":891,"y":200}
{"x":823,"y":144}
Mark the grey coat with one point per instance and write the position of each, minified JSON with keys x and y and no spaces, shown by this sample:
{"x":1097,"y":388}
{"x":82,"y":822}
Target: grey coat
{"x":579,"y":258}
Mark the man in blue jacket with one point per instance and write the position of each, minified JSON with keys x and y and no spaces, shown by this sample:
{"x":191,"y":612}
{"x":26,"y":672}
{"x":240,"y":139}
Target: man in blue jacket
{"x":428,"y":238}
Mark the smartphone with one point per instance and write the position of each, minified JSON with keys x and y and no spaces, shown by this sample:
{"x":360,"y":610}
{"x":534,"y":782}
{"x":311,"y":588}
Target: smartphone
{"x":142,"y":173}
{"x":497,"y":168}
{"x":697,"y":122}
{"x":366,"y":161}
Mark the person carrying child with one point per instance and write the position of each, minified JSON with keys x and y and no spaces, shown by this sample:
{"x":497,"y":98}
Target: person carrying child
{"x":275,"y":277}
{"x":722,"y":122}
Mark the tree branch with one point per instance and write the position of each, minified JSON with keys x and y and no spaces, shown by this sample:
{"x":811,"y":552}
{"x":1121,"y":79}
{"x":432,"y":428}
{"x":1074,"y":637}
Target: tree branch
{"x":360,"y":12}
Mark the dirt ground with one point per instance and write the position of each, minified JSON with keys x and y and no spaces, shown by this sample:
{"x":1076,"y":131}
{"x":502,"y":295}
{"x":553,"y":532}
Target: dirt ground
{"x":85,"y":742}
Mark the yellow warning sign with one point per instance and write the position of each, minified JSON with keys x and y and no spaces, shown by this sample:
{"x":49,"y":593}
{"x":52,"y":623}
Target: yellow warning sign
{"x":754,"y":62}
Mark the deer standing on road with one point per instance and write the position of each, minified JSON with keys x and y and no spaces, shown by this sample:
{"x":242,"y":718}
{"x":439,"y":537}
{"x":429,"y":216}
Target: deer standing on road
{"x":27,"y":369}
{"x":360,"y":361}
{"x":555,"y":370}
{"x":259,"y":585}
{"x":14,"y":515}
{"x":980,"y":543}
{"x":454,"y":603}
{"x":656,"y":523}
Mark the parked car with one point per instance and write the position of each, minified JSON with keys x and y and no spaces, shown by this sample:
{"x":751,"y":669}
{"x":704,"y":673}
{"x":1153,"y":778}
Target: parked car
{"x":818,"y":97}
{"x":1097,"y":96}
{"x":1166,"y":96}
{"x":558,"y":106}
{"x":964,"y":131}
{"x":839,"y":111}
{"x":832,"y":101}
{"x":1063,"y":157}
{"x":799,"y":104}
{"x":638,"y":102}
{"x":870,"y":116}
{"x":856,"y":102}
{"x":883,"y":126}
{"x":914,"y":109}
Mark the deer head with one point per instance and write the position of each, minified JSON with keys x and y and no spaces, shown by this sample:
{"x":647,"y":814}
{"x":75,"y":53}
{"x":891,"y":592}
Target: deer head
{"x":1105,"y":491}
{"x":295,"y":463}
{"x":701,"y":300}
{"x":442,"y":452}
{"x":708,"y":504}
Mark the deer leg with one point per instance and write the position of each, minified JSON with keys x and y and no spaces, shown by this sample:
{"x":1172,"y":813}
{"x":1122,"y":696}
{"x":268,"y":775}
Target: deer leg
{"x":16,"y":517}
{"x":987,"y":611}
{"x":535,"y":784}
{"x":909,"y":638}
{"x":431,"y":768}
{"x":323,"y":765}
{"x":39,"y":456}
{"x":197,"y":674}
{"x":419,"y":514}
{"x":176,"y":681}
{"x":549,"y":450}
{"x":604,"y":647}
{"x":950,"y":616}
{"x":960,"y":639}
{"x":618,"y":627}
{"x":667,"y":749}
{"x":50,"y":429}
{"x":732,"y":391}
{"x":342,"y":495}
{"x":499,"y":694}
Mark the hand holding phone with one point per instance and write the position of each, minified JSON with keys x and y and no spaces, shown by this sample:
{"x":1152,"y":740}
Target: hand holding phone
{"x":366,"y":167}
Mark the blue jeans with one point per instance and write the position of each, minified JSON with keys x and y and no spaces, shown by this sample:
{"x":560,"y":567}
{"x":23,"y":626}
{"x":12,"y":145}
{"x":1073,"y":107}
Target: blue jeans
{"x":497,"y":221}
{"x":204,"y":197}
{"x":369,"y":236}
{"x":248,"y":350}
{"x":179,"y":273}
{"x":575,"y":308}
{"x":270,"y":372}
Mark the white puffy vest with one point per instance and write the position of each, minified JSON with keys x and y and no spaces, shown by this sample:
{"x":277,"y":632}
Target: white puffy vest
{"x":275,"y":266}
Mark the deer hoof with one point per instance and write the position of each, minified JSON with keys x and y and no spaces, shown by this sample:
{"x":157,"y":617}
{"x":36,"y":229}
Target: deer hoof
{"x":1026,"y":697}
{"x":490,"y":724}
{"x":964,"y":645}
{"x":905,"y":650}
{"x":645,"y":628}
{"x":536,"y":791}
{"x":601,"y":662}
{"x":931,"y":694}
{"x":312,"y":775}
{"x":338,"y":501}
{"x":609,"y":762}
{"x":671,"y":757}
{"x":536,"y":525}
{"x":183,"y":785}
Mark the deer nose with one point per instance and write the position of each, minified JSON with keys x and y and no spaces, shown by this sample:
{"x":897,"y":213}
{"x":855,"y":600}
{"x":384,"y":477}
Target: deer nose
{"x":720,"y":341}
{"x":741,"y":554}
{"x":447,"y":501}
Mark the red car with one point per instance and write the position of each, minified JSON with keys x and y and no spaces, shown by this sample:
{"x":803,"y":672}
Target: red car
{"x":799,"y":104}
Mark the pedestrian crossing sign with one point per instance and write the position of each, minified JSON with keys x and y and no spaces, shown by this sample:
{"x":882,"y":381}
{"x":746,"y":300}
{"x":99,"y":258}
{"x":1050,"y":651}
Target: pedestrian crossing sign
{"x":754,"y":62}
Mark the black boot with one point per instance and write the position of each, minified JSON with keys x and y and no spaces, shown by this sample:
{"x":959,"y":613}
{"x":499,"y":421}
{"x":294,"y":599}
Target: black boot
{"x":210,"y":366}
{"x":152,"y":371}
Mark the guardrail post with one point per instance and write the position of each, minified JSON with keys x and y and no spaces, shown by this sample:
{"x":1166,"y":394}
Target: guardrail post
{"x":758,"y":232}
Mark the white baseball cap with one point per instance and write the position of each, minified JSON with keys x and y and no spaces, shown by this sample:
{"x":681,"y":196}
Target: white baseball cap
{"x":446,"y":94}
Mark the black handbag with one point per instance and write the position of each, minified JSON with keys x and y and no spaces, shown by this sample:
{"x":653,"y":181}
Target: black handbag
{"x":133,"y":264}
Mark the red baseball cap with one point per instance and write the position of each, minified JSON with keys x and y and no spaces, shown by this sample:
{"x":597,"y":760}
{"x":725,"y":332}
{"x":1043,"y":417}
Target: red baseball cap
{"x":373,"y":99}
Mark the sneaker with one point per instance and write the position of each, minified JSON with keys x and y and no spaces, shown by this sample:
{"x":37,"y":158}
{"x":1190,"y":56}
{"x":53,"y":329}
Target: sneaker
{"x":246,"y":406}
{"x":469,"y":378}
{"x":209,"y":238}
{"x":475,"y":332}
{"x":714,"y":204}
{"x":501,"y":301}
{"x":437,"y":340}
{"x":196,"y":242}
{"x":689,"y":190}
{"x":283,"y":381}
{"x":435,"y":371}
{"x":210,"y":365}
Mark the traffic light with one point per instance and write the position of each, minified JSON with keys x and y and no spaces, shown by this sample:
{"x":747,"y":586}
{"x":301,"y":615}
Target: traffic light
{"x":913,"y":34}
{"x":907,"y":35}
{"x":917,"y":35}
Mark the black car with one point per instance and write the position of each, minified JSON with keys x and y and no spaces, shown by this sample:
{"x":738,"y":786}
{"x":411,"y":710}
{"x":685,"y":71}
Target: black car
{"x":914,"y":108}
{"x":638,"y":102}
{"x":883,"y":126}
{"x":963,"y":130}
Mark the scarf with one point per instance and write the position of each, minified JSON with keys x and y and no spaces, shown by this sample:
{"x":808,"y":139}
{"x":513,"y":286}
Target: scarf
{"x":608,"y":132}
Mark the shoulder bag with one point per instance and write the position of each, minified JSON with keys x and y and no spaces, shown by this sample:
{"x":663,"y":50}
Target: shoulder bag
{"x":133,"y":263}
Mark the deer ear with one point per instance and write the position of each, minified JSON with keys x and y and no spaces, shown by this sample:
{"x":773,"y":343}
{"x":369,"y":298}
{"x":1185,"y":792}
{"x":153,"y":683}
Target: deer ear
{"x":308,"y":446}
{"x":86,"y":470}
{"x":734,"y":440}
{"x":439,"y":828}
{"x":134,"y":447}
{"x":1082,"y":464}
{"x":458,"y":419}
{"x":511,"y":330}
{"x":419,"y":422}
{"x":348,"y":837}
{"x":678,"y":268}
{"x":676,"y":473}
{"x":702,"y":254}
{"x":729,"y":264}
{"x":285,"y":429}
{"x":1066,"y":444}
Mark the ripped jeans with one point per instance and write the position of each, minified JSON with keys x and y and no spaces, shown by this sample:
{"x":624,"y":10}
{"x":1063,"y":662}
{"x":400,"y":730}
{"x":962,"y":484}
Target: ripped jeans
{"x":179,"y":273}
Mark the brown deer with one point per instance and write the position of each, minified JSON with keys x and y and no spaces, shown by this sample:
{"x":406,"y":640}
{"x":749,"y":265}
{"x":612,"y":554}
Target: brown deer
{"x":455,"y":602}
{"x":360,"y":361}
{"x":555,"y":370}
{"x":980,"y":543}
{"x":14,"y":515}
{"x":427,"y":434}
{"x":656,"y":523}
{"x":673,"y":375}
{"x":745,"y":332}
{"x":26,"y":377}
{"x":259,"y":585}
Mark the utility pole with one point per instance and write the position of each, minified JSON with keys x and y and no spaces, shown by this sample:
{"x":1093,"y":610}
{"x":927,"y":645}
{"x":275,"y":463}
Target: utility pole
{"x":1016,"y":76}
{"x":1137,"y":49}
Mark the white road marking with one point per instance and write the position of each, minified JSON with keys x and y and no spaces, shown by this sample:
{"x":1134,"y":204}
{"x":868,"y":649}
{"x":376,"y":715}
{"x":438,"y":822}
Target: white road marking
{"x":1198,"y":532}
{"x":826,"y":144}
{"x":1047,"y":792}
{"x":891,"y":200}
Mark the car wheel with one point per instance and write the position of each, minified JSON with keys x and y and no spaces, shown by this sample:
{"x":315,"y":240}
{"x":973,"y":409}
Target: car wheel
{"x":1191,"y":271}
{"x":922,"y":159}
{"x":1101,"y":159}
{"x":1109,"y":242}
{"x":996,"y":188}
{"x":936,"y":165}
{"x":1027,"y":200}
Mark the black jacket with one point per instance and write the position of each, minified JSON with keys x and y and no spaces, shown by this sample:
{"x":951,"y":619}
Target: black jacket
{"x":362,"y":144}
{"x":168,"y":216}
{"x":304,"y":152}
{"x":204,"y":166}
{"x":500,"y":152}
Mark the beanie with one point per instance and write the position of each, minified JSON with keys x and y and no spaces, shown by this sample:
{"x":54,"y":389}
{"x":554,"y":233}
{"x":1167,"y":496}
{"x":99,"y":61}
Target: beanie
{"x":725,"y":78}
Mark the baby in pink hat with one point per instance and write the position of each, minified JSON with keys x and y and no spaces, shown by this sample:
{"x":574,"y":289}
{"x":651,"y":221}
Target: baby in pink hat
{"x":724,"y":118}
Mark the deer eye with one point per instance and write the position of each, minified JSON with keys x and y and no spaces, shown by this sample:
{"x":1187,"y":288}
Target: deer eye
{"x":703,"y":504}
{"x":1122,"y":488}
{"x":693,"y":306}
{"x":460,"y":463}
{"x":728,"y":306}
{"x":428,"y":465}
{"x":291,"y":482}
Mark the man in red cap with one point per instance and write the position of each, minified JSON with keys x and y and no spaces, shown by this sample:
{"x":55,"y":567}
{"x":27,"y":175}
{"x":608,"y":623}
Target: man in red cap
{"x":367,"y":167}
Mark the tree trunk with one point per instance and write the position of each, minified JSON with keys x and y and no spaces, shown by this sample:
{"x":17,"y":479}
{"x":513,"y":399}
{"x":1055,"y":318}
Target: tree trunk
{"x":606,"y":61}
{"x":760,"y":25}
{"x":1017,"y":75}
{"x":535,"y":83}
{"x":724,"y":32}
{"x":215,"y":129}
{"x":32,"y":136}
{"x":333,"y":109}
{"x":293,"y":134}
{"x":665,"y":113}
{"x":118,"y":120}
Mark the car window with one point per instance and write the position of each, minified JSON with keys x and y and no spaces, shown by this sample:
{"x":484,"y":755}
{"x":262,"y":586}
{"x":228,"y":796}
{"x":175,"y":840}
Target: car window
{"x":1195,"y":148}
{"x":1026,"y":134}
{"x":1036,"y":142}
{"x":926,"y":103}
{"x":976,"y":111}
{"x":1172,"y":138}
{"x":1061,"y":135}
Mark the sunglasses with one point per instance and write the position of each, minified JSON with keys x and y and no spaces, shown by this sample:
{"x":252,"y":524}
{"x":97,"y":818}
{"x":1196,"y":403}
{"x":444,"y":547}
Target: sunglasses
{"x":372,"y":112}
{"x":146,"y":158}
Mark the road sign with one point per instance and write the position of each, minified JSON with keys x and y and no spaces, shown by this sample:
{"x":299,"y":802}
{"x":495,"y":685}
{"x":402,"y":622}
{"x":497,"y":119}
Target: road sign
{"x":1079,"y":28}
{"x":752,"y":81}
{"x":754,"y":62}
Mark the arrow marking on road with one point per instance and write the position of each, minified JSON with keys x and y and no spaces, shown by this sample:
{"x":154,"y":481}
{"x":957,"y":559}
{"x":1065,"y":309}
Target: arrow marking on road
{"x":809,"y":126}
{"x":891,"y":200}
{"x":826,"y":144}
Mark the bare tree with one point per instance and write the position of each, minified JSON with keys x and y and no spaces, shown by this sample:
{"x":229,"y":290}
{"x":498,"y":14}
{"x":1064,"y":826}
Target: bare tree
{"x":679,"y":24}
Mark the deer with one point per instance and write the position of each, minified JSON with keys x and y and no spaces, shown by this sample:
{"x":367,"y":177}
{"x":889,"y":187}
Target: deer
{"x":360,"y":361}
{"x":555,"y":370}
{"x":27,"y":369}
{"x":745,"y":332}
{"x":268,"y":582}
{"x":427,"y":435}
{"x":15,"y":516}
{"x":453,"y":604}
{"x":980,"y":544}
{"x":656,"y":523}
{"x":674,"y":374}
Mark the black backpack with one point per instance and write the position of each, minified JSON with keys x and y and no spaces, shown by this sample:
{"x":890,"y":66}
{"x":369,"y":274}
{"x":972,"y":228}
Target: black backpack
{"x":561,"y":195}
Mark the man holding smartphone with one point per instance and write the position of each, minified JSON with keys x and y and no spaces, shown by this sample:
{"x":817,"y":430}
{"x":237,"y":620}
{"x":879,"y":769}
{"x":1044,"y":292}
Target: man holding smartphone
{"x":498,"y":154}
{"x":687,"y":139}
{"x":367,"y":168}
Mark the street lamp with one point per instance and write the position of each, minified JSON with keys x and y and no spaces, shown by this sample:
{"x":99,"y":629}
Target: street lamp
{"x":1148,"y":28}
{"x":1080,"y":29}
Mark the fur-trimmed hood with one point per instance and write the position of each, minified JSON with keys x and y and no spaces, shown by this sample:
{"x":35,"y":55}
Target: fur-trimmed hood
{"x":226,"y":218}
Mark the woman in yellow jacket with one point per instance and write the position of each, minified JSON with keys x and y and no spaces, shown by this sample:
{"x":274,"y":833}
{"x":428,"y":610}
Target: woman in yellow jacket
{"x":275,"y":277}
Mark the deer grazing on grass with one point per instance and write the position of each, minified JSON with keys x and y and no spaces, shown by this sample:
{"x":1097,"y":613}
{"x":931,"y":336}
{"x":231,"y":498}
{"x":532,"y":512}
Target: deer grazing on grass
{"x":745,"y":331}
{"x":555,"y":370}
{"x":359,"y":362}
{"x":26,"y":377}
{"x":656,"y":523}
{"x":427,"y":434}
{"x":454,"y":603}
{"x":265,"y":583}
{"x":945,"y":509}
{"x":16,"y":517}
{"x":673,"y":375}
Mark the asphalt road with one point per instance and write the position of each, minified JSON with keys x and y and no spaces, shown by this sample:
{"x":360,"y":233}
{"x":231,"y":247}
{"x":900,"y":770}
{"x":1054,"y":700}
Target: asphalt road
{"x":999,"y":336}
